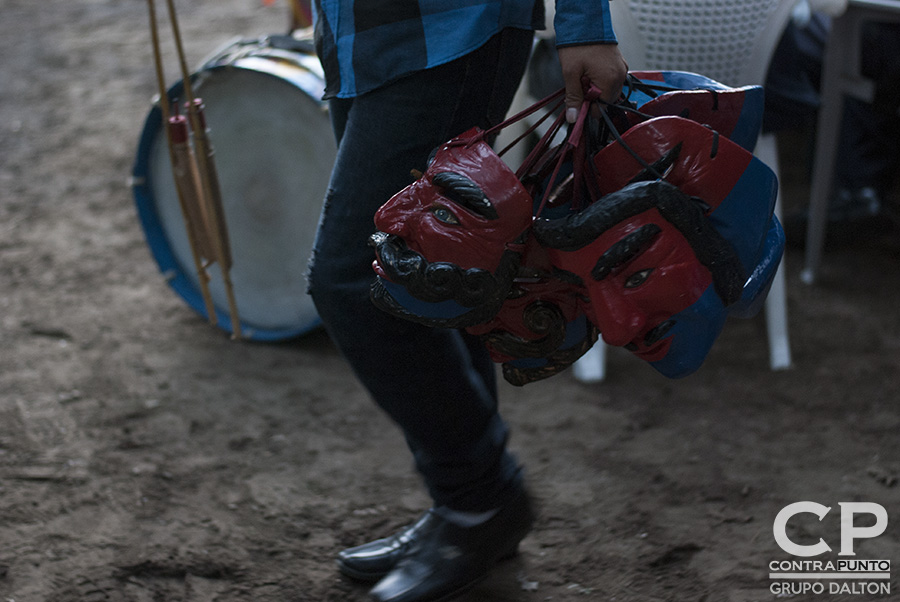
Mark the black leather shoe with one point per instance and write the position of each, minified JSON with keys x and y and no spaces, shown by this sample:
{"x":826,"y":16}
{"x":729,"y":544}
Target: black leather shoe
{"x":372,"y":561}
{"x":444,"y":560}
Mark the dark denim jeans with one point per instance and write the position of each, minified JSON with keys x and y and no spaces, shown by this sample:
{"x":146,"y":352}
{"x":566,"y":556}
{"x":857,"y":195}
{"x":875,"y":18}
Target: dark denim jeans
{"x":438,"y":385}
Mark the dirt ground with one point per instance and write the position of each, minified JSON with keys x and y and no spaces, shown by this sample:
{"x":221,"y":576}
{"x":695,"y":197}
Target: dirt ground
{"x":146,"y":457}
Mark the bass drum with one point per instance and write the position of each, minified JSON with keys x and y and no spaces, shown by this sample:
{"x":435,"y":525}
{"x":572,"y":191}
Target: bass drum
{"x":274,"y":151}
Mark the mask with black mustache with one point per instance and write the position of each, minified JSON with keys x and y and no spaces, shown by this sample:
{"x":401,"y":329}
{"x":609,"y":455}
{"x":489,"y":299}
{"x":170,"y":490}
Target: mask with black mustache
{"x":470,"y":296}
{"x":449,"y":245}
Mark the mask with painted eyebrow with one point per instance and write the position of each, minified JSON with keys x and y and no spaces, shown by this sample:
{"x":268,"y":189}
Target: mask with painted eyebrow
{"x":624,"y":251}
{"x":466,"y":193}
{"x":446,"y":245}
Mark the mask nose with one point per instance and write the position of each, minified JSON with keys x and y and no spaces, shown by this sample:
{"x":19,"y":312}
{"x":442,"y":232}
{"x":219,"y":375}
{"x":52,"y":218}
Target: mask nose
{"x":390,"y":218}
{"x":619,"y":321}
{"x":395,"y":227}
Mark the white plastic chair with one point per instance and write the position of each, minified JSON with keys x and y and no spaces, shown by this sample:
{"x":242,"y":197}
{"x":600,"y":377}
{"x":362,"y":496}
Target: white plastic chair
{"x":731,"y":41}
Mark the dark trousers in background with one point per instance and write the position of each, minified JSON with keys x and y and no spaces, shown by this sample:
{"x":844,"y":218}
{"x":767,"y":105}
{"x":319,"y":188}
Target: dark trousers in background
{"x":869,"y":145}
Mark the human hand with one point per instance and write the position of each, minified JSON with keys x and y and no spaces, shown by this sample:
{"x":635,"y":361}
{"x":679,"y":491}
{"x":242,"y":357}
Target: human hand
{"x":602,"y":64}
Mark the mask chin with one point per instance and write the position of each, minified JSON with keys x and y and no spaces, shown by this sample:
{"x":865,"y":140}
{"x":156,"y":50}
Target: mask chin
{"x":580,"y":336}
{"x":423,"y":295}
{"x":696,"y":329}
{"x":395,"y":299}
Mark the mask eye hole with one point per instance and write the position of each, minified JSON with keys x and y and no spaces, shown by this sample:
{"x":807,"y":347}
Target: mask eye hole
{"x":444,"y":215}
{"x":638,"y":278}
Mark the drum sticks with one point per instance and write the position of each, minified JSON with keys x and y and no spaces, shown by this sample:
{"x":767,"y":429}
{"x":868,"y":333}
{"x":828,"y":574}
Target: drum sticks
{"x":195,"y":175}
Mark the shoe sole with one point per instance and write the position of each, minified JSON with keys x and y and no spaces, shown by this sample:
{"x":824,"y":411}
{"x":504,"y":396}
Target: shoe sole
{"x":370,"y":578}
{"x":359,"y":576}
{"x":470,"y":585}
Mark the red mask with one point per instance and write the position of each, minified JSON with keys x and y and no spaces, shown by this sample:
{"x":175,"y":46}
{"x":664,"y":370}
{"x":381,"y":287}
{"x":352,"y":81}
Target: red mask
{"x":643,"y":287}
{"x":465,"y":209}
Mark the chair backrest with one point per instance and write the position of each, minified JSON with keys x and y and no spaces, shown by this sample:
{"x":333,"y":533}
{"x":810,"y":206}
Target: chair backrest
{"x":730,"y":41}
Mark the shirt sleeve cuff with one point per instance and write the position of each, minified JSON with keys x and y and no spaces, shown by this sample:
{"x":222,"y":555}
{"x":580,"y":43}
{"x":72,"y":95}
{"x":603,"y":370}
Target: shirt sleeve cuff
{"x":583,"y":22}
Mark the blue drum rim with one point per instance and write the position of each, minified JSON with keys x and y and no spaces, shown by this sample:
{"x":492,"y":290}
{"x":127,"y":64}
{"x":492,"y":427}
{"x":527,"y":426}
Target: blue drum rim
{"x":161,"y":249}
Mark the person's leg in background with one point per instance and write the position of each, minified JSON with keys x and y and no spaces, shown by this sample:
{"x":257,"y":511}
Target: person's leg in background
{"x":863,"y":174}
{"x":868,"y":148}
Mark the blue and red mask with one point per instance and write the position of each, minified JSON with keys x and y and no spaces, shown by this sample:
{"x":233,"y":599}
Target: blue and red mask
{"x":668,"y":252}
{"x":445,"y":246}
{"x":735,"y":113}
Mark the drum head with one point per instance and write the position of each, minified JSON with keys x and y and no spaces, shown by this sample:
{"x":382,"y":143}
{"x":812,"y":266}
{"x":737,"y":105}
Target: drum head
{"x":274,"y":151}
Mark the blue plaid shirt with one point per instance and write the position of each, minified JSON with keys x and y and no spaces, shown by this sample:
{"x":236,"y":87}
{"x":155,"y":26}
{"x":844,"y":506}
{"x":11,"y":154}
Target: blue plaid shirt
{"x":364,"y":44}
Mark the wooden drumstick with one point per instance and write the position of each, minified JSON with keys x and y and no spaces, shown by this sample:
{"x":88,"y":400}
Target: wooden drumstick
{"x":188,"y":181}
{"x":217,"y":227}
{"x":205,"y":154}
{"x":211,"y":193}
{"x":185,"y":185}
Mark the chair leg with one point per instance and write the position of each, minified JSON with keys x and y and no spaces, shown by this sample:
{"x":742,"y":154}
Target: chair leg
{"x":776,"y":316}
{"x":776,"y":323}
{"x":591,"y":367}
{"x":776,"y":302}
